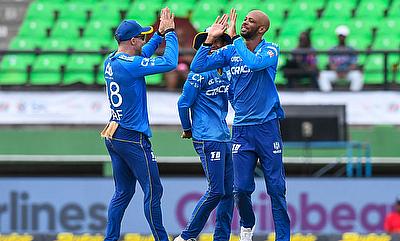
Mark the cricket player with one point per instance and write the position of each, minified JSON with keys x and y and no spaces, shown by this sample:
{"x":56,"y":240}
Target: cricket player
{"x":205,"y":96}
{"x":255,"y":133}
{"x":127,"y":135}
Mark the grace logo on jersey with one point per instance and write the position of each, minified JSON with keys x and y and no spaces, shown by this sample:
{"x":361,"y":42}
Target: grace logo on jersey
{"x":235,"y":148}
{"x":243,"y":69}
{"x":277,"y":148}
{"x":218,"y":90}
{"x":215,"y":155}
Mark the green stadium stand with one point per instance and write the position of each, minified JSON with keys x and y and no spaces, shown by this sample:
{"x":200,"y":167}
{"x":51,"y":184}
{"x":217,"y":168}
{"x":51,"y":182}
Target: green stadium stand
{"x":385,"y":41}
{"x":395,"y":9}
{"x":155,"y":79}
{"x":294,"y":26}
{"x":181,"y":8}
{"x":44,"y":11}
{"x":68,"y":29}
{"x":23,"y":43}
{"x":359,"y":41}
{"x":100,"y":29}
{"x":389,"y":25}
{"x":13,"y":69}
{"x":80,"y":69}
{"x":60,"y":44}
{"x":339,"y":9}
{"x":323,"y":42}
{"x":373,"y":70}
{"x":326,"y":26}
{"x":75,"y":10}
{"x":322,"y":61}
{"x":46,"y":70}
{"x":34,"y":28}
{"x":275,"y":8}
{"x":89,"y":44}
{"x":306,"y":9}
{"x":369,"y":8}
{"x":108,"y":12}
{"x":145,"y":11}
{"x":287,"y":42}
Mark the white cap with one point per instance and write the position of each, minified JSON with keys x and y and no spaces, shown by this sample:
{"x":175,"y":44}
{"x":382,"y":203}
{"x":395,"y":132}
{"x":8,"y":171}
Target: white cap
{"x":342,"y":30}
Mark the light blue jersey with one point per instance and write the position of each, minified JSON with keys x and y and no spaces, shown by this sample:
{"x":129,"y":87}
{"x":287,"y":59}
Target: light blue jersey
{"x":125,"y":82}
{"x":206,"y":95}
{"x":255,"y":98}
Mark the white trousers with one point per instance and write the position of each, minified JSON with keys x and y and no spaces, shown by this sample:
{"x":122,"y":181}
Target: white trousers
{"x":327,"y":77}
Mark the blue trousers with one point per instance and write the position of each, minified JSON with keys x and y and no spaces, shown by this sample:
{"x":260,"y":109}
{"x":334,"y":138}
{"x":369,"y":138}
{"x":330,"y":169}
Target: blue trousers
{"x":260,"y":142}
{"x":216,"y":160}
{"x":133,"y":160}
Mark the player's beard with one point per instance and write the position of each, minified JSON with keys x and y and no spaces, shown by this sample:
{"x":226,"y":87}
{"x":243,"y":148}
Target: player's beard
{"x":249,"y":34}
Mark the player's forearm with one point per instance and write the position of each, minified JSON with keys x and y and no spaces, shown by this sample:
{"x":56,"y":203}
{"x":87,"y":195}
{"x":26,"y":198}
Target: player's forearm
{"x":171,"y":49}
{"x":150,"y":47}
{"x":254,"y":61}
{"x":184,"y":116}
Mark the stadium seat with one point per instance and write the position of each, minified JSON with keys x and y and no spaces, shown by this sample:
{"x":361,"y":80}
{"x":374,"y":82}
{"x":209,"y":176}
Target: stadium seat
{"x":89,"y":44}
{"x":288,"y":42}
{"x":394,"y":11}
{"x":66,"y":28}
{"x":389,"y":25}
{"x":323,"y":42}
{"x":60,"y":44}
{"x":23,"y":43}
{"x":305,"y":9}
{"x":46,"y":70}
{"x":34,"y":28}
{"x":107,"y":11}
{"x":359,"y":41}
{"x":155,"y":79}
{"x":326,"y":26}
{"x":322,"y":61}
{"x":75,"y":10}
{"x":386,"y":41}
{"x":373,"y":70}
{"x":275,"y":8}
{"x":279,"y":79}
{"x":339,"y":9}
{"x":100,"y":29}
{"x":294,"y":26}
{"x":80,"y":69}
{"x":151,"y":9}
{"x":181,"y":8}
{"x":200,"y":24}
{"x":13,"y":69}
{"x":43,"y":11}
{"x":369,"y":8}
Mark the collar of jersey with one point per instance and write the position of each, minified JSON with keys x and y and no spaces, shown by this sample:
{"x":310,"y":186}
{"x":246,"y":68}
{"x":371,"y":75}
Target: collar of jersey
{"x":116,"y":55}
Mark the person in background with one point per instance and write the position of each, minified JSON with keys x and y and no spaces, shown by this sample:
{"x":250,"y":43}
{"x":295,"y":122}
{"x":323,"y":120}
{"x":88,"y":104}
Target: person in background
{"x":392,"y":220}
{"x":302,"y":65}
{"x":342,"y":65}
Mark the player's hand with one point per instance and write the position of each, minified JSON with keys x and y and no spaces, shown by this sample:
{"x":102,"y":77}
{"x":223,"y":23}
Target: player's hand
{"x":217,"y":29}
{"x":232,"y":23}
{"x":167,"y":20}
{"x":186,"y":134}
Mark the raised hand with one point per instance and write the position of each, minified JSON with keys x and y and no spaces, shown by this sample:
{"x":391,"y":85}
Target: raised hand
{"x":186,"y":134}
{"x":218,"y":28}
{"x":232,"y":23}
{"x":167,"y":20}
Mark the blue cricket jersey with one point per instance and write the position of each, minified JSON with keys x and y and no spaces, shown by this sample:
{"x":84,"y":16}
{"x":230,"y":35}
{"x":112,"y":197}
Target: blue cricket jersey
{"x":255,"y":98}
{"x":206,"y":95}
{"x":125,"y":82}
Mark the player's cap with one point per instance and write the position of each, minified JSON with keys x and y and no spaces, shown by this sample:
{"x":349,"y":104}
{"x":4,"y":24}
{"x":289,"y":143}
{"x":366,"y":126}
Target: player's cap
{"x":342,"y":30}
{"x":129,"y":29}
{"x":202,"y":36}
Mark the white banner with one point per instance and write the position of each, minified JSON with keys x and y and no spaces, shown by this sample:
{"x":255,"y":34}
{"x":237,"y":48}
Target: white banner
{"x":80,"y":107}
{"x":79,"y":205}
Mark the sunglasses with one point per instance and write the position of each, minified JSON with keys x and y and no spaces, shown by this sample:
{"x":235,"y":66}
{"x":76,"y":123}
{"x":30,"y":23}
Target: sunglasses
{"x":141,"y":36}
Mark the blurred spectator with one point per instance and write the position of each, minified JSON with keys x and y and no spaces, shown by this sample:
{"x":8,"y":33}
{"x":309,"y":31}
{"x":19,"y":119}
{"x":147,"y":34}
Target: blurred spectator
{"x":302,"y":65}
{"x":392,"y":220}
{"x":342,"y":65}
{"x":185,"y":31}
